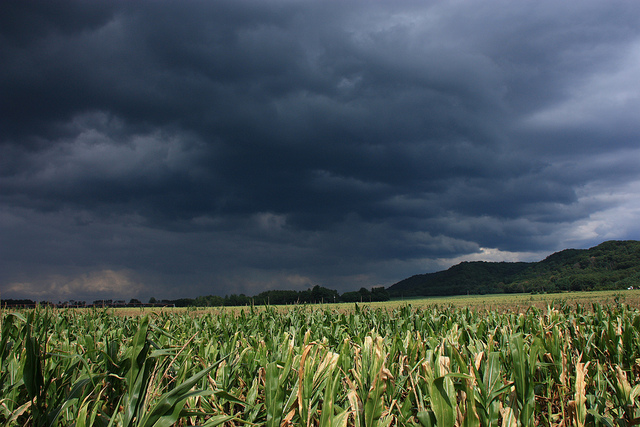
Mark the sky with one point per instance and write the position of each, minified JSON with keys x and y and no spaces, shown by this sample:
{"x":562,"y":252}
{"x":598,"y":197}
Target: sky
{"x":174,"y":149}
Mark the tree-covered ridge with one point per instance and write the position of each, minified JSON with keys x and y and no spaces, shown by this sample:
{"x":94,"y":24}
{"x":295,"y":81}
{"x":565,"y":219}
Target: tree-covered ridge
{"x":610,"y":265}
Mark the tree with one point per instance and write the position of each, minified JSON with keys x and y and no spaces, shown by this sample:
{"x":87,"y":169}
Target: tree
{"x":379,"y":294}
{"x":320,"y":294}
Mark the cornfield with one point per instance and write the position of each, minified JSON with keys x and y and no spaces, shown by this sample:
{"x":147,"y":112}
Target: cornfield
{"x":435,"y":366}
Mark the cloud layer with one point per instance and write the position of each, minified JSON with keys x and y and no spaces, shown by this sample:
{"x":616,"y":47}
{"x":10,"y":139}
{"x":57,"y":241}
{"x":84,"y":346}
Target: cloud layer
{"x":175,"y":149}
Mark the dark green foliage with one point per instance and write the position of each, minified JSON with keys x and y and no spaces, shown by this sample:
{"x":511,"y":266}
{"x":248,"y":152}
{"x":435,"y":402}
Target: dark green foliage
{"x":315,"y":295}
{"x":18,"y":303}
{"x":209,"y":301}
{"x":610,"y":265}
{"x":364,"y":295}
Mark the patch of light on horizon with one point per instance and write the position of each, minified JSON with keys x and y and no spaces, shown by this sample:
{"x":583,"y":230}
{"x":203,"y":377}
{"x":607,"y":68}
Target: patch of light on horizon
{"x":493,"y":255}
{"x":95,"y":284}
{"x":620,"y":221}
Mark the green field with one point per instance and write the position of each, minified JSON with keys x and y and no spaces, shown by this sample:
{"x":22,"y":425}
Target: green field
{"x":521,"y":302}
{"x":500,"y":302}
{"x":474,"y":361}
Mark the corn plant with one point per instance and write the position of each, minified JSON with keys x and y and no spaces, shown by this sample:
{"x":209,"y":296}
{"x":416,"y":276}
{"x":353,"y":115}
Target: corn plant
{"x":355,"y":367}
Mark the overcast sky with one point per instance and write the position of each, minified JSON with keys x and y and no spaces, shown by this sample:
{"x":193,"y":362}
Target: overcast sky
{"x":176,"y":149}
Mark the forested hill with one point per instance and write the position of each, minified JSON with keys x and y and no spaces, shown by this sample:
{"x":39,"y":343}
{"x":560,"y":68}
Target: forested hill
{"x":610,"y":265}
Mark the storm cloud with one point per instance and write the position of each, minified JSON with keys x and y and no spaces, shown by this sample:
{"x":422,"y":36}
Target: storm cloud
{"x":176,"y":149}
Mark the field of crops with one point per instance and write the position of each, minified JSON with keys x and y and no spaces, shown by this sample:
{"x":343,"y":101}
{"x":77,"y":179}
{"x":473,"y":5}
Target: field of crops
{"x":401,"y":366}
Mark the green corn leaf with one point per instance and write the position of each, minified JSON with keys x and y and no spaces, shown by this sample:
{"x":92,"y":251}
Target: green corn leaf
{"x":442,"y":394}
{"x":274,"y":396}
{"x":221,"y":394}
{"x":523,"y":369}
{"x":138,"y":374}
{"x":602,"y":419}
{"x":81,"y":418}
{"x":427,"y":418}
{"x":252,"y":394}
{"x":164,"y":410}
{"x":32,"y":371}
{"x":75,"y":394}
{"x":7,"y":325}
{"x":18,"y":412}
{"x":115,"y":418}
{"x":166,"y":416}
{"x":327,"y":416}
{"x":340,"y":419}
{"x":136,"y":393}
{"x":374,"y":405}
{"x":217,"y":420}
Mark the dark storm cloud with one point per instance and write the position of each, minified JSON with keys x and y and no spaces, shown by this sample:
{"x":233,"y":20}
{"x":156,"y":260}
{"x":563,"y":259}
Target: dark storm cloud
{"x":216,"y":147}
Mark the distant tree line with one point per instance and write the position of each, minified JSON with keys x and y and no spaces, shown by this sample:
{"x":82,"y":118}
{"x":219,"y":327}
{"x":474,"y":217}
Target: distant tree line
{"x":27,"y":303}
{"x":315,"y":295}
